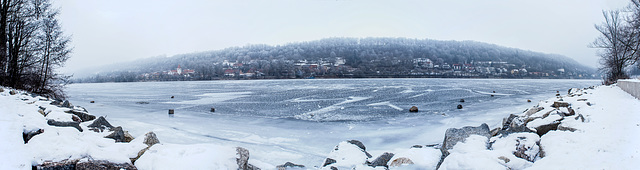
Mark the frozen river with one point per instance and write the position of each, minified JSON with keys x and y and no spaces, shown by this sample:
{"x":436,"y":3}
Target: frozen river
{"x":302,"y":120}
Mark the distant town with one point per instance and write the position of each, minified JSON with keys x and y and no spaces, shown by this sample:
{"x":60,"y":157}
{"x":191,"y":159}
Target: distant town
{"x":337,"y":68}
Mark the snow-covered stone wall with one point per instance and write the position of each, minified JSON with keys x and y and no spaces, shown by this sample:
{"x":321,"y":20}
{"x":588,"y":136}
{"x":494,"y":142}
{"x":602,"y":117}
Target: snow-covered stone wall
{"x":631,"y":86}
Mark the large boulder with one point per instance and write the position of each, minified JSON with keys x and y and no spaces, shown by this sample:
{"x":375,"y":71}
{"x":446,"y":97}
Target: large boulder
{"x":382,"y":160}
{"x":103,"y":165}
{"x":289,"y":165}
{"x":120,"y":135}
{"x":455,"y":135}
{"x":347,"y":154}
{"x":242,"y":159}
{"x":513,"y":124}
{"x":67,"y":104}
{"x":558,"y":104}
{"x":150,"y":139}
{"x":64,"y":124}
{"x":100,"y":125}
{"x":82,"y":115}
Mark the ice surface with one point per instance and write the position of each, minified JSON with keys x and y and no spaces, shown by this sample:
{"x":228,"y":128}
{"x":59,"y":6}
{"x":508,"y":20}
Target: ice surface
{"x":271,"y":117}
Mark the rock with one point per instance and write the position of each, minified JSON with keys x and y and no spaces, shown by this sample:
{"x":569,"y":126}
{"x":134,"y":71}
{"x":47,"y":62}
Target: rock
{"x":1,"y":90}
{"x":289,"y":165}
{"x":401,"y":161}
{"x":582,"y":100}
{"x":143,"y":102}
{"x":533,"y":110}
{"x":462,"y":100}
{"x":416,"y":146}
{"x":527,"y":148}
{"x":42,"y":112}
{"x":120,"y":135}
{"x":103,"y":165}
{"x":557,"y":104}
{"x":492,"y":95}
{"x":566,"y":128}
{"x":495,"y":131}
{"x":580,"y":117}
{"x":528,"y":100}
{"x":13,"y":92}
{"x":513,"y":124}
{"x":558,"y":94}
{"x":328,"y":161}
{"x":92,"y":101}
{"x":100,"y":125}
{"x":82,"y":115}
{"x":170,"y":111}
{"x":459,"y":106}
{"x":62,"y":165}
{"x":347,"y":154}
{"x":242,"y":159}
{"x":571,"y":112}
{"x":494,"y":91}
{"x":76,"y":118}
{"x":382,"y":160}
{"x":67,"y":104}
{"x":413,"y":109}
{"x":213,"y":109}
{"x":26,"y":136}
{"x":64,"y":124}
{"x":505,"y":159}
{"x":561,"y":100}
{"x":172,"y":97}
{"x":589,"y":104}
{"x":541,"y":130}
{"x":150,"y":139}
{"x":453,"y":135}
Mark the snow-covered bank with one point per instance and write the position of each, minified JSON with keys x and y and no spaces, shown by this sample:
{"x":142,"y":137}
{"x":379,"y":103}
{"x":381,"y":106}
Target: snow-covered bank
{"x":606,"y":139}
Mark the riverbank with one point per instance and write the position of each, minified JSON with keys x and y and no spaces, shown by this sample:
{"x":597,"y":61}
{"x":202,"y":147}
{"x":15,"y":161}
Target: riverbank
{"x":606,"y":139}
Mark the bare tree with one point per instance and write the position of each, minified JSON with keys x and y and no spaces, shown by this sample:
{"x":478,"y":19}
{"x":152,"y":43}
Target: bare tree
{"x":616,"y":48}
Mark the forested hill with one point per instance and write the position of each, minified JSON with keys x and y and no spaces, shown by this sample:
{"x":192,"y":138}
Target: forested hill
{"x":353,"y":57}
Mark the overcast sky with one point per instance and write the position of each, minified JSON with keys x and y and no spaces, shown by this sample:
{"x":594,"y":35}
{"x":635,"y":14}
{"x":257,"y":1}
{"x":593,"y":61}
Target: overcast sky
{"x":112,"y":31}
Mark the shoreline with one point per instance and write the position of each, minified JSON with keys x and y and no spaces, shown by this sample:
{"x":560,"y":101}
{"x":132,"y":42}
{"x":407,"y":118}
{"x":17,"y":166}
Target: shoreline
{"x":352,"y":149}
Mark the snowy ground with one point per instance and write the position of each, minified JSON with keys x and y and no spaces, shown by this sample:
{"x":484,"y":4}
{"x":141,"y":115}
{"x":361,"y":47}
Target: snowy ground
{"x":608,"y":139}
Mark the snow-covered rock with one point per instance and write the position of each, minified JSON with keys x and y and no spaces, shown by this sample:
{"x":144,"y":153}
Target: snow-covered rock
{"x":454,"y":135}
{"x":347,"y":154}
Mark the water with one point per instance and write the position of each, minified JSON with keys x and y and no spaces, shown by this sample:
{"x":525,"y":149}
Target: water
{"x":302,"y":120}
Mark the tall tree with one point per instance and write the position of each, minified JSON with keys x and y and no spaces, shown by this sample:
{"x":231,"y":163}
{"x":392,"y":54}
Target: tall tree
{"x":615,"y":53}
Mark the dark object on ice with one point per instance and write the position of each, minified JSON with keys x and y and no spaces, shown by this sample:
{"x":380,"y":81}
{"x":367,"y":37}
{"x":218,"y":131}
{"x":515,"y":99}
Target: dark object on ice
{"x":416,"y":146}
{"x":494,"y":91}
{"x":92,"y":101}
{"x":62,"y":165}
{"x":67,"y":104}
{"x":382,"y":160}
{"x":64,"y":124}
{"x":492,"y":95}
{"x":103,"y":165}
{"x":328,"y":161}
{"x":462,"y":100}
{"x":120,"y":135}
{"x":172,"y":97}
{"x":83,"y":116}
{"x":100,"y":124}
{"x":213,"y":109}
{"x":170,"y":111}
{"x":541,"y":130}
{"x":242,"y":158}
{"x":557,"y":91}
{"x":150,"y":139}
{"x":413,"y":109}
{"x":528,"y":100}
{"x":142,"y":102}
{"x":588,"y":104}
{"x":454,"y":135}
{"x":557,"y":104}
{"x":289,"y":165}
{"x":558,"y":94}
{"x":27,"y":136}
{"x":459,"y":106}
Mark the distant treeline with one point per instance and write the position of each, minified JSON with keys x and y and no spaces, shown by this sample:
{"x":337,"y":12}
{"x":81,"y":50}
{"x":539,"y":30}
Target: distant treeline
{"x":352,"y":57}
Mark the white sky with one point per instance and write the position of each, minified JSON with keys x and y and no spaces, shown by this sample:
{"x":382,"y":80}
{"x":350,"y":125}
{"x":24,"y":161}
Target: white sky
{"x":112,"y":31}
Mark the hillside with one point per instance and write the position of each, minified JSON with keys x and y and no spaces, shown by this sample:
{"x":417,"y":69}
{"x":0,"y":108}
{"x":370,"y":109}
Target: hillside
{"x":352,"y":57}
